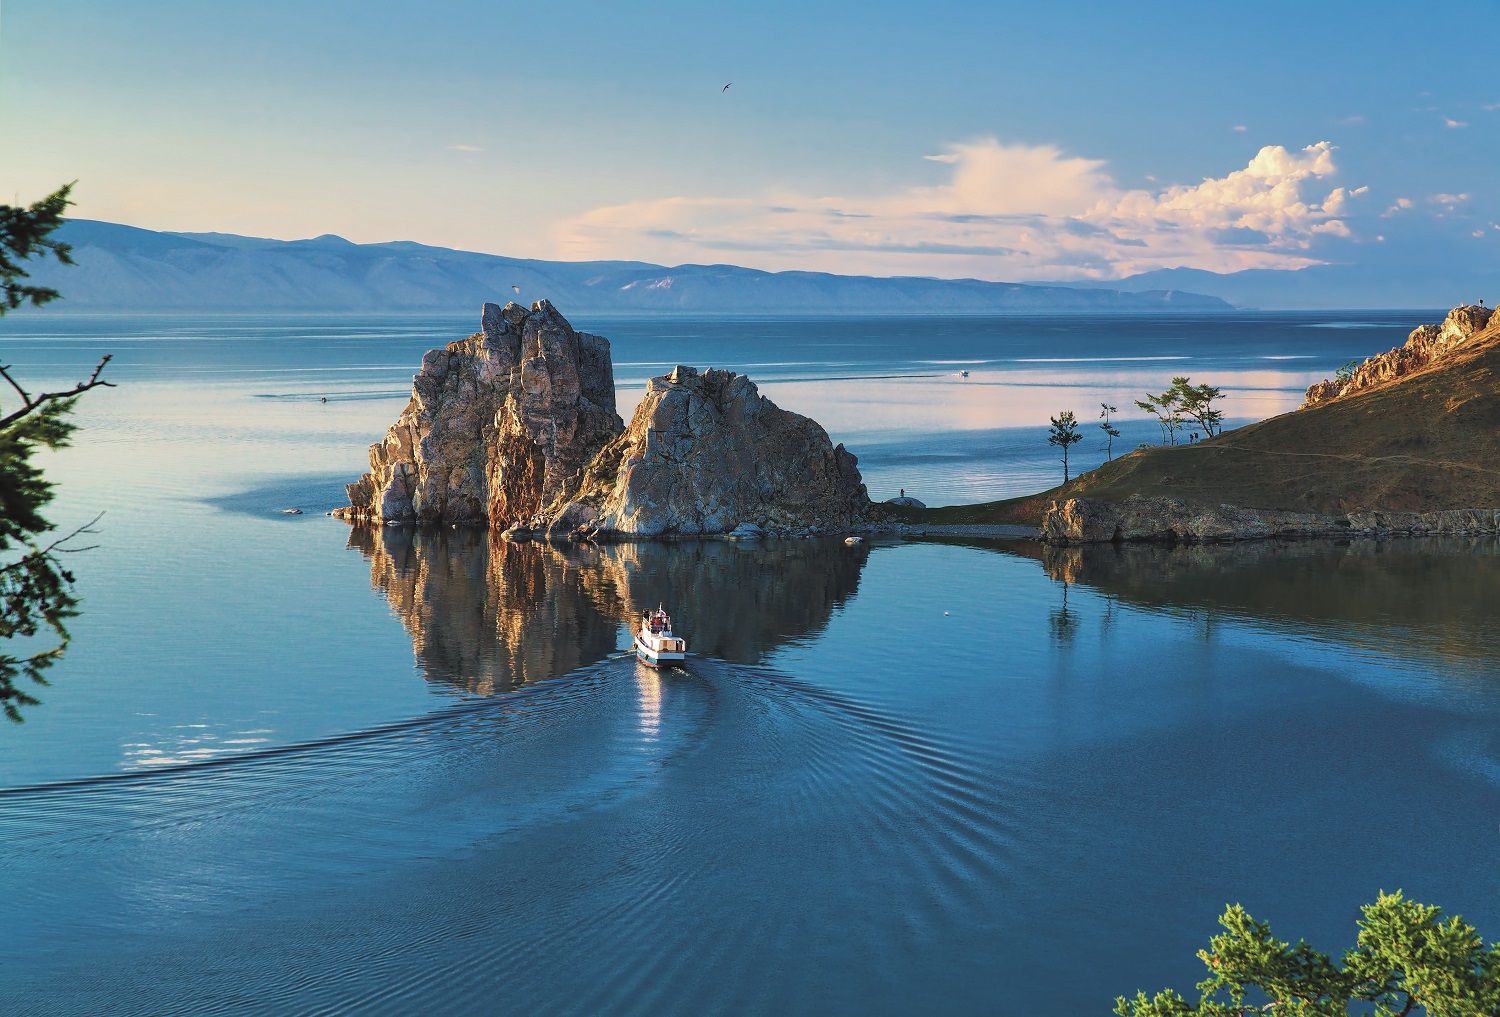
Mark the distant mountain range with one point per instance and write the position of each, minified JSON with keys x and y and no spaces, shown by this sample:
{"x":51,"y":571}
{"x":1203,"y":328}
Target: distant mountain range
{"x":1380,"y":285}
{"x":128,"y":268}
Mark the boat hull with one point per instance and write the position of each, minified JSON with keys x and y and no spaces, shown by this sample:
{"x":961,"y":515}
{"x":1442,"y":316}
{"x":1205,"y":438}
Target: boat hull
{"x":655,"y":658}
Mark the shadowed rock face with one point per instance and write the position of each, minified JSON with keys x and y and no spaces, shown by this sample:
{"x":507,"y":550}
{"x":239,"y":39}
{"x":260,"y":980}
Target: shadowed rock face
{"x":1170,"y":521}
{"x":706,"y":451}
{"x":489,"y":615}
{"x":499,"y":424}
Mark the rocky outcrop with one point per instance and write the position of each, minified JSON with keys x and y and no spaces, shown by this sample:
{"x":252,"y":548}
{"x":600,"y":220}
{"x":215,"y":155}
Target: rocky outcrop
{"x":499,"y":426}
{"x":516,"y":426}
{"x":1426,"y":345}
{"x":706,"y":452}
{"x":1168,"y":520}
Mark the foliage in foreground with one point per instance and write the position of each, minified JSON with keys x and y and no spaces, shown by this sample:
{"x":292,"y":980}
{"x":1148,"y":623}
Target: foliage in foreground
{"x":1407,"y":960}
{"x":36,"y":589}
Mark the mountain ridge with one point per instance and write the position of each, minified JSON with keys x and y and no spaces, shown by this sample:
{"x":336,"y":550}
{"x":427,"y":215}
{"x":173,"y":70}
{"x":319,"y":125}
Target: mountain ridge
{"x":130,"y":268}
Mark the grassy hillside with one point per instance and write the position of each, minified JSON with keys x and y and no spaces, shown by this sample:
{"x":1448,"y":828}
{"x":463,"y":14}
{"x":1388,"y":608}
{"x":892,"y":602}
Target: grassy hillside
{"x":1426,"y":441}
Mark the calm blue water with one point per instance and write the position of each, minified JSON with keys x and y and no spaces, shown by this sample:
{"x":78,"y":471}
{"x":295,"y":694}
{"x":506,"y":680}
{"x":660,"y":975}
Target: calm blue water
{"x":289,"y":766}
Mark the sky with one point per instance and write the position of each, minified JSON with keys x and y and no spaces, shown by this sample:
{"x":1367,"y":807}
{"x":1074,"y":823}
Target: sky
{"x":997,"y":141}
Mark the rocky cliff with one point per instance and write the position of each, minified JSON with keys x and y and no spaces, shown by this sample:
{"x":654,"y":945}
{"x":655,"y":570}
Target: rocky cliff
{"x":1426,"y":345}
{"x":516,"y":426}
{"x":499,"y":424}
{"x":705,"y":452}
{"x":1140,"y":519}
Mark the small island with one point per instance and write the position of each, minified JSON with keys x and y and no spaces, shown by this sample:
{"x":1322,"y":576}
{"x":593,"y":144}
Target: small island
{"x":515,"y":428}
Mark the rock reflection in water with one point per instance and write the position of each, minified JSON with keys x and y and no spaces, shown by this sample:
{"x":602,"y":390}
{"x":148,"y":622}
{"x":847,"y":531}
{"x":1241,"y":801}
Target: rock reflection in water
{"x":489,"y":615}
{"x":1433,"y":594}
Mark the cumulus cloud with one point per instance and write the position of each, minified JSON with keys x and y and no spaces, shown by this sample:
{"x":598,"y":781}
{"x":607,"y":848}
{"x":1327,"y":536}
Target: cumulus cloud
{"x":1397,"y":207}
{"x":1004,"y":211}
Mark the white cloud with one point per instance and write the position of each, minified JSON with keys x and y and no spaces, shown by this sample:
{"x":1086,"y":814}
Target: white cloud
{"x":1352,"y":121}
{"x":1006,"y":211}
{"x":1446,"y":204}
{"x":1477,"y":233}
{"x":1452,"y":124}
{"x":1239,"y":128}
{"x":464,"y":148}
{"x":1397,"y":207}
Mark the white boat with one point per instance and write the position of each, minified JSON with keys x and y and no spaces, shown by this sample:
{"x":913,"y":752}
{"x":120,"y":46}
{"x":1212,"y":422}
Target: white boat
{"x":655,"y":645}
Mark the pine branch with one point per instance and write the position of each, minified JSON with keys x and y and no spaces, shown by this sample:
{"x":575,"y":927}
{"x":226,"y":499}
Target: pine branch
{"x":30,"y":404}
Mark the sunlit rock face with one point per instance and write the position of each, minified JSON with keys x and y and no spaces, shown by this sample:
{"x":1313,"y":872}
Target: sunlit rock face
{"x":705,"y":452}
{"x":1426,"y":345}
{"x":499,"y":424}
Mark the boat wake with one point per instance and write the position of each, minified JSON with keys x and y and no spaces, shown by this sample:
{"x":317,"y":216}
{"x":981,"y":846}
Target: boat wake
{"x":652,"y":814}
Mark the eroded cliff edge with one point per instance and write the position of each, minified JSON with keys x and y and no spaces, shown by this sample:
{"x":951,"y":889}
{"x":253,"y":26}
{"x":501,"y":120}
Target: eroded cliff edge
{"x":516,"y":427}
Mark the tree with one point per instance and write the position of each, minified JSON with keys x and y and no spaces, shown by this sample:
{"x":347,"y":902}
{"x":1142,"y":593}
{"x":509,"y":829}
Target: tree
{"x":1197,"y":402}
{"x":1407,"y":959}
{"x":36,"y":590}
{"x":1167,"y":412}
{"x":1110,"y":431}
{"x":1344,"y":375}
{"x":1064,"y":434}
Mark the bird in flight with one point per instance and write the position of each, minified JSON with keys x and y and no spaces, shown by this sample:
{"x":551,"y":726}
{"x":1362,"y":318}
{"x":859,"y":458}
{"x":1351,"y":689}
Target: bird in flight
{"x":725,"y":88}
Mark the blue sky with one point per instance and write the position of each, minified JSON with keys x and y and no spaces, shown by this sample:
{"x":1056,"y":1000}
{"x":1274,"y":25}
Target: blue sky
{"x":991,"y":140}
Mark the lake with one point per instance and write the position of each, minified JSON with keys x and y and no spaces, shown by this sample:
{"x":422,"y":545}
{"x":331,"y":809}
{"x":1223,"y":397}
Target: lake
{"x":292,"y":766}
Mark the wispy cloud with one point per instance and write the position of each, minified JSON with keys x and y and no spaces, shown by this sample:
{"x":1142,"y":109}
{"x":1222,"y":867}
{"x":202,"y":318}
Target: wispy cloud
{"x":465,"y":148}
{"x":1006,"y":211}
{"x":1239,"y":128}
{"x":1454,"y":125}
{"x":1447,"y":204}
{"x":1397,"y":207}
{"x":1352,"y":121}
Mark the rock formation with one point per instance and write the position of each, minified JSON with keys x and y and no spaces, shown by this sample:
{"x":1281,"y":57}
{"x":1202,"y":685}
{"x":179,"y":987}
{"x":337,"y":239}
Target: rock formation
{"x":1425,"y":345}
{"x":1168,"y":520}
{"x":705,"y":452}
{"x":516,"y":426}
{"x":499,"y":424}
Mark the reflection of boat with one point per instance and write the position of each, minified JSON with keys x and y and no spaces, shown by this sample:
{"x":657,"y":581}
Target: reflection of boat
{"x":655,"y":644}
